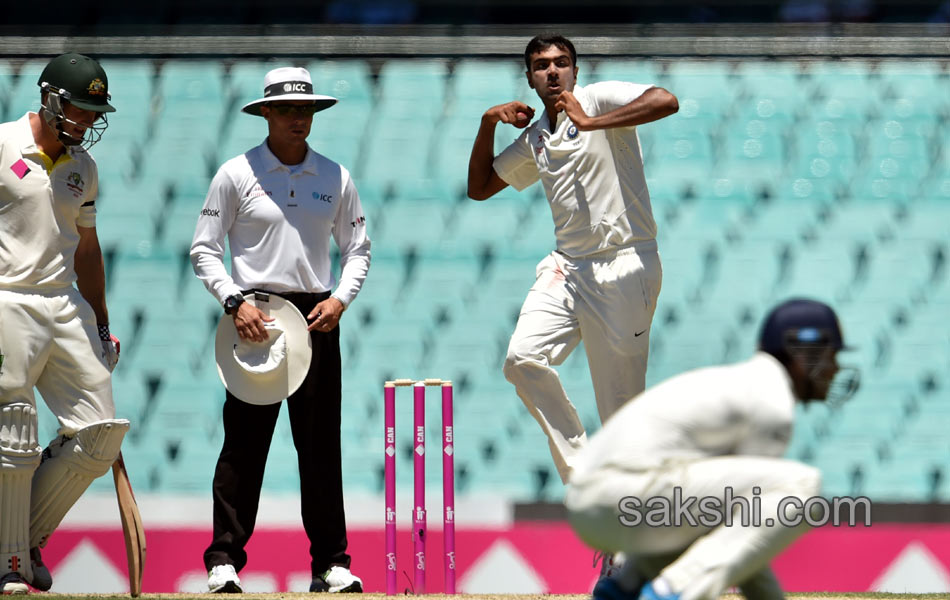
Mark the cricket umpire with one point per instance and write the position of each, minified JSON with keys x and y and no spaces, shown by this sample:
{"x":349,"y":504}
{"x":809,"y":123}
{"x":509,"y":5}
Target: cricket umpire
{"x":279,"y":204}
{"x":711,"y":434}
{"x":53,"y":336}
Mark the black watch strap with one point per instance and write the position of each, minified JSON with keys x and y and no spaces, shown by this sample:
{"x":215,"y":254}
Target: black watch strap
{"x":232,"y":302}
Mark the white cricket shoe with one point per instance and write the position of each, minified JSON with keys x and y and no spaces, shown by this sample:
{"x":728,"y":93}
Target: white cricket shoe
{"x":13,"y":583}
{"x":223,"y":579}
{"x":337,"y":579}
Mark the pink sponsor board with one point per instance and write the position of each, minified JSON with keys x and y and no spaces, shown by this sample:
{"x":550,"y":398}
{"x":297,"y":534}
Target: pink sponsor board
{"x":543,"y":557}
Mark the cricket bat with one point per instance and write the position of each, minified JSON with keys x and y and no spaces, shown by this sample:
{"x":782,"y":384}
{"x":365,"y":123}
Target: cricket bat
{"x":131,"y":526}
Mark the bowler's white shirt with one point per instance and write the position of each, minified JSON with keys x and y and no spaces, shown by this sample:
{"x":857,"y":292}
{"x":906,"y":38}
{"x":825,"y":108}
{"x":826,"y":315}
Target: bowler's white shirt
{"x":743,"y":409}
{"x":593,"y":179}
{"x":40,"y":212}
{"x":278,"y":221}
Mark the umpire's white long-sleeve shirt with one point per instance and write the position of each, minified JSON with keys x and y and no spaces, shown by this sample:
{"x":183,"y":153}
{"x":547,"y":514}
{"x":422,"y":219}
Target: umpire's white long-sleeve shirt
{"x":278,"y":220}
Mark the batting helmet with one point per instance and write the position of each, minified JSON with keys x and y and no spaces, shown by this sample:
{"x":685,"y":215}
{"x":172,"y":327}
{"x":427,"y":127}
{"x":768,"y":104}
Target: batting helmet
{"x":82,"y":82}
{"x":800,"y":321}
{"x":808,"y":332}
{"x":79,"y":80}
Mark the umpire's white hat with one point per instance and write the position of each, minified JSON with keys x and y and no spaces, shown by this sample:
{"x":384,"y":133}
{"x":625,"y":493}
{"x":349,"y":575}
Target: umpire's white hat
{"x":285,"y":84}
{"x":269,"y":371}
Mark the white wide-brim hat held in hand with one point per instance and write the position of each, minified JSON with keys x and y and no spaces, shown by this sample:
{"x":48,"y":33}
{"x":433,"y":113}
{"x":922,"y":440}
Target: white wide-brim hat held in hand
{"x":269,"y":371}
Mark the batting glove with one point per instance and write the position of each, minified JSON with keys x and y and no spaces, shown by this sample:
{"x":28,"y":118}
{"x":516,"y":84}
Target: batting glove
{"x":110,"y":347}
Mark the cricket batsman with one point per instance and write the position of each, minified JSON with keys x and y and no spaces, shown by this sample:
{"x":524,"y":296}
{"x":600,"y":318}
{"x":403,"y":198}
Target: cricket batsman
{"x":54,"y":336}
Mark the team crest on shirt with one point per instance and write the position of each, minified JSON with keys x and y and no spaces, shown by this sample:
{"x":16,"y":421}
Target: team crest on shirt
{"x":96,"y":87}
{"x":572,"y":132}
{"x":75,"y":183}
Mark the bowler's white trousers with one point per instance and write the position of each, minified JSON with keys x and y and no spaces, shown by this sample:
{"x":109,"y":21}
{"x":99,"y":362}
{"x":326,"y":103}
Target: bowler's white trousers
{"x":699,"y":562}
{"x":608,"y":300}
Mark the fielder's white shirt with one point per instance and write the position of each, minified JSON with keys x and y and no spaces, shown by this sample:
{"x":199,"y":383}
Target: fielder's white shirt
{"x":42,"y":205}
{"x":279,"y":220}
{"x":593,"y":179}
{"x":743,"y":409}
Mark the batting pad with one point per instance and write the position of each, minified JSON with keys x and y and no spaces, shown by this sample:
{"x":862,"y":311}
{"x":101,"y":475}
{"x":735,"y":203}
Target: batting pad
{"x":69,"y":466}
{"x":19,"y":457}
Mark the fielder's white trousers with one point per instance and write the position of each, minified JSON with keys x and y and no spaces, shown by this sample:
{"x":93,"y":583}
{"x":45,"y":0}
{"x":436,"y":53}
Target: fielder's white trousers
{"x":49,"y":340}
{"x":608,"y":300}
{"x":698,"y":562}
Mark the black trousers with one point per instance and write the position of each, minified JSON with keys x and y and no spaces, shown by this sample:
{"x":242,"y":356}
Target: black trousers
{"x":315,"y":424}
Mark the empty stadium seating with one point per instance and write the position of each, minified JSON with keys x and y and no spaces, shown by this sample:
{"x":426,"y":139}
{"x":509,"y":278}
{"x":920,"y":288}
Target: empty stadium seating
{"x":775,"y":179}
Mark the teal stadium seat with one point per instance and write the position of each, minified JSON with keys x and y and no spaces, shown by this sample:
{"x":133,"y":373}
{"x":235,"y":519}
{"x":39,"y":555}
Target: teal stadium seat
{"x":821,"y":270}
{"x":411,"y":102}
{"x":132,"y":85}
{"x":188,"y":129}
{"x":630,"y":70}
{"x":338,"y":132}
{"x":476,"y":84}
{"x":898,"y":150}
{"x":899,"y":483}
{"x":682,"y":151}
{"x":413,"y":87}
{"x":771,"y":89}
{"x":753,"y":151}
{"x":824,"y":150}
{"x":24,"y":93}
{"x":350,"y":81}
{"x":7,"y":81}
{"x":915,"y":90}
{"x":843,"y":91}
{"x":244,"y":83}
{"x":706,"y":89}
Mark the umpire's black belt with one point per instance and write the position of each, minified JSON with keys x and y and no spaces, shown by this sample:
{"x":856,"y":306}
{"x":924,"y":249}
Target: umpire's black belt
{"x":296,"y":298}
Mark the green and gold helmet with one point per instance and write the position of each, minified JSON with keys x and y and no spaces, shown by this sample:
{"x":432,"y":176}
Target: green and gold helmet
{"x":79,"y":80}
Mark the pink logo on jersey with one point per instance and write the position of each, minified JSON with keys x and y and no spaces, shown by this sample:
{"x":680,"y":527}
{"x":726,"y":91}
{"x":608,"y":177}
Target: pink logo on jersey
{"x":20,"y":168}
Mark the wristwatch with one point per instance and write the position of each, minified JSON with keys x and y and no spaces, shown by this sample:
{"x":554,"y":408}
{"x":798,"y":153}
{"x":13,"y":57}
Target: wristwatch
{"x":232,"y":302}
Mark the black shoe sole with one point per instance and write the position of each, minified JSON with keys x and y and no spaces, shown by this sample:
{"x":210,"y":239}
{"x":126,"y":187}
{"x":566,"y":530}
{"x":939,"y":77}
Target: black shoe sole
{"x":228,"y":588}
{"x":354,"y":588}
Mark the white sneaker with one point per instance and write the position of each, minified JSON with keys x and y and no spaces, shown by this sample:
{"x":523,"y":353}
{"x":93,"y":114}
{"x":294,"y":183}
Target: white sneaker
{"x":12,"y":583}
{"x":223,"y":579}
{"x":337,"y":579}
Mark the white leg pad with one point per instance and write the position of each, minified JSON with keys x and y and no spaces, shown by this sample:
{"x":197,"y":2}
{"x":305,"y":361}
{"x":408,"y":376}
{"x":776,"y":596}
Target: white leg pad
{"x":19,"y":457}
{"x":69,"y":466}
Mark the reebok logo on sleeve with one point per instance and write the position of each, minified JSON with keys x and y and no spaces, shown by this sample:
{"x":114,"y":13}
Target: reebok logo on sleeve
{"x":210,"y":212}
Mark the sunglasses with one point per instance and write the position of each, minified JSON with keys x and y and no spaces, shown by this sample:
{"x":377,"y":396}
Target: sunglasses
{"x":292,"y":109}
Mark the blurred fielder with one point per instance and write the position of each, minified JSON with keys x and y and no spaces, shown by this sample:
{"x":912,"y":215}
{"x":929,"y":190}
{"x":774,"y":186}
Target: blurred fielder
{"x":696,"y":435}
{"x":52,"y":336}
